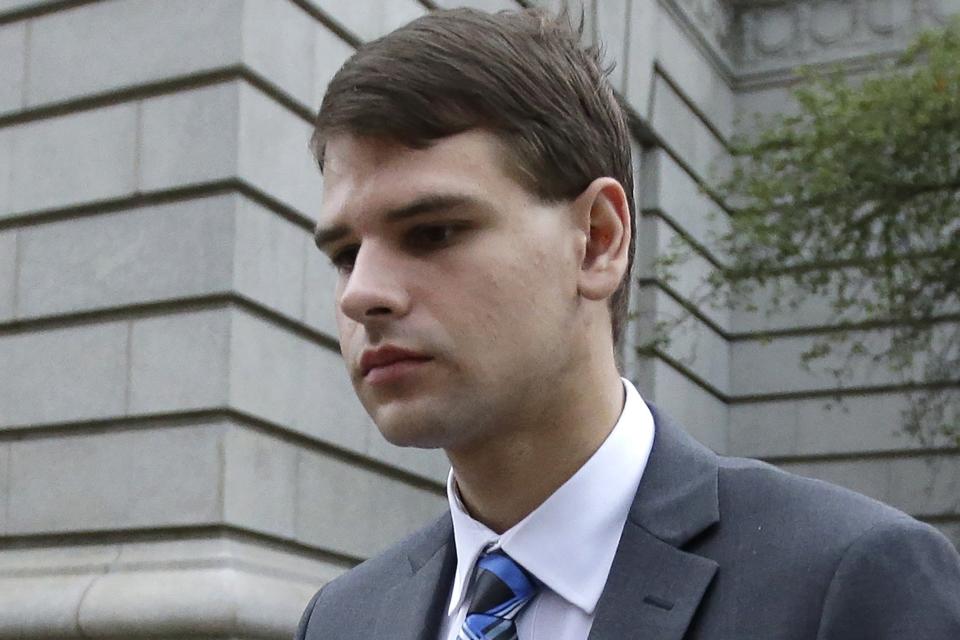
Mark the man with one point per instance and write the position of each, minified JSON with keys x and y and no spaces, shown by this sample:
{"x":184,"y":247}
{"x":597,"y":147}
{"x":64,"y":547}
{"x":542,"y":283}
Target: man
{"x":478,"y":207}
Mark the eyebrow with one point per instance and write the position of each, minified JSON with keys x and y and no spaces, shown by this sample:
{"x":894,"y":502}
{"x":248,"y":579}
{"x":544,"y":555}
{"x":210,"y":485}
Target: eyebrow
{"x":324,"y":236}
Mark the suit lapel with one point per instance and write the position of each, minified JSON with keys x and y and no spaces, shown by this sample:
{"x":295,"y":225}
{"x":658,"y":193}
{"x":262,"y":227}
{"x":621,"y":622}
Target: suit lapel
{"x":655,"y":587}
{"x":413,"y":607}
{"x":653,"y":590}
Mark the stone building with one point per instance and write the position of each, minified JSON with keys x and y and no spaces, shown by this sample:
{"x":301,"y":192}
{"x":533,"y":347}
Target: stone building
{"x":180,"y":449}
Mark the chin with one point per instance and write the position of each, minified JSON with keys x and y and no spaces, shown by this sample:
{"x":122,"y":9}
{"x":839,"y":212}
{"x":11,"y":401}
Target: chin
{"x":405,"y":428}
{"x":413,"y":436}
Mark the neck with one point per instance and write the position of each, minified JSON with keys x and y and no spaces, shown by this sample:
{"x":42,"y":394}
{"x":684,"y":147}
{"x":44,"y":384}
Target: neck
{"x":501,"y":481}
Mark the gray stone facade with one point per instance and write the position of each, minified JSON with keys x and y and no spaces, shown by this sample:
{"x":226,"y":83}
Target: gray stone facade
{"x":180,"y":449}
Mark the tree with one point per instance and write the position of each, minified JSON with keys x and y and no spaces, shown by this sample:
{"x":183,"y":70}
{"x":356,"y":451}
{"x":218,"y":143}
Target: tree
{"x":856,"y":198}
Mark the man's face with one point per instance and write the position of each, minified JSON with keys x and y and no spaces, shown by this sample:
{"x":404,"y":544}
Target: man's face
{"x":457,"y":299}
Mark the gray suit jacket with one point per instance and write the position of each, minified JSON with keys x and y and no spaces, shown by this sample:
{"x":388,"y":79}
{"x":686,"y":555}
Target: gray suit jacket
{"x":714,"y":548}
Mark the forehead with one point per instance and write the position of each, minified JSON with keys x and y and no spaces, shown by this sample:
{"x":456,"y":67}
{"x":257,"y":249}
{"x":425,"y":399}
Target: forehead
{"x":364,"y":174}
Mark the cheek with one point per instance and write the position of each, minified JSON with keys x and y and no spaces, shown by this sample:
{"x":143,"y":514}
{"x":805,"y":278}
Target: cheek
{"x":518,"y":301}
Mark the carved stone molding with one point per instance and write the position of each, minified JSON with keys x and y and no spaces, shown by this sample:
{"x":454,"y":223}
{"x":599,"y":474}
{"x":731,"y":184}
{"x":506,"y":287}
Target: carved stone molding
{"x":785,"y":34}
{"x":714,"y":19}
{"x":215,"y":587}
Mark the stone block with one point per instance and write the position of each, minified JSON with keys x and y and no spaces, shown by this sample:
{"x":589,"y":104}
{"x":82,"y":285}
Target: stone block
{"x":72,"y":159}
{"x":170,"y":588}
{"x":649,"y":246}
{"x":700,"y":79}
{"x":926,"y":485}
{"x":764,"y":429}
{"x":761,"y":367}
{"x":701,"y":414}
{"x":693,"y":343}
{"x":13,"y":49}
{"x":773,"y":311}
{"x":8,"y":270}
{"x":129,"y":257}
{"x":259,"y":482}
{"x":273,"y":153}
{"x":774,"y":366}
{"x":782,"y":305}
{"x":4,"y":486}
{"x":685,"y":133}
{"x":855,"y":424}
{"x":100,"y":47}
{"x":115,"y":480}
{"x":73,"y":373}
{"x":6,"y":170}
{"x":871,"y":477}
{"x":337,"y":502}
{"x":951,"y":530}
{"x":330,"y":52}
{"x":612,"y":26}
{"x":268,"y":259}
{"x":193,"y":601}
{"x":655,"y":239}
{"x":764,"y":102}
{"x":278,"y":43}
{"x":370,"y":19}
{"x":306,"y":389}
{"x":319,"y":298}
{"x":190,"y":137}
{"x":668,"y":188}
{"x":325,"y":404}
{"x":42,"y":606}
{"x":641,"y":55}
{"x":644,"y":377}
{"x":822,"y":426}
{"x":179,"y":362}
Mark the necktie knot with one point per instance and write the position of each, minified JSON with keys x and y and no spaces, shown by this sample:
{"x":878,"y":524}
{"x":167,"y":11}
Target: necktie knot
{"x":501,"y":589}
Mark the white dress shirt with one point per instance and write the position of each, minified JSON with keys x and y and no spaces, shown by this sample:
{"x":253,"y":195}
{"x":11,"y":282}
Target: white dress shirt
{"x":569,"y":541}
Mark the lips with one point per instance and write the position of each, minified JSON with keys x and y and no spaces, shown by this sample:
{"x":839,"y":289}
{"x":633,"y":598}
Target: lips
{"x":386,"y":356}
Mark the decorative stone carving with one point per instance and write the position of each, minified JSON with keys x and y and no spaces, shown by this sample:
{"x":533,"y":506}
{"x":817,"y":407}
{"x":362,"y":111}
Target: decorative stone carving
{"x":776,"y":29}
{"x":713,"y":18}
{"x":886,"y":16}
{"x":832,"y":20}
{"x":942,"y":10}
{"x":779,"y":35}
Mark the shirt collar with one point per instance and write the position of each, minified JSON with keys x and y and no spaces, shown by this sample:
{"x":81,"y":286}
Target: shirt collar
{"x":569,"y":541}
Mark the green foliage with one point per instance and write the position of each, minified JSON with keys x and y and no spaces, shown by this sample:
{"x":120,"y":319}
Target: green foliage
{"x":856,"y":198}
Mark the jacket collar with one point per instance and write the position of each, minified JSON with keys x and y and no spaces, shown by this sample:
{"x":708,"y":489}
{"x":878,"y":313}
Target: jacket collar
{"x":655,"y":587}
{"x":678,"y":496}
{"x":413,"y":606}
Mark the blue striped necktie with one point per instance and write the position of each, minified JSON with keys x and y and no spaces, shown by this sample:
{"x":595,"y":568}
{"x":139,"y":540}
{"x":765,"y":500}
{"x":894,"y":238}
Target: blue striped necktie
{"x":501,"y":589}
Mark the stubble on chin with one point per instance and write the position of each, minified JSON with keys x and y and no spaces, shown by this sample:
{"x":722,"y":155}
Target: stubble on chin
{"x":405,"y":427}
{"x":427,"y":426}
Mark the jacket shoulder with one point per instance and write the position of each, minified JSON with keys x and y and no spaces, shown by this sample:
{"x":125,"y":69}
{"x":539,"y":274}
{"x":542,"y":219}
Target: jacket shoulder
{"x":823,"y":561}
{"x":899,"y":579}
{"x":754,"y":492}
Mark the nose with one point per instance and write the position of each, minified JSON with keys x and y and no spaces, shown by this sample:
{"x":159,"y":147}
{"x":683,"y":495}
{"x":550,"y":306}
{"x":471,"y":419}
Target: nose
{"x":373,"y":290}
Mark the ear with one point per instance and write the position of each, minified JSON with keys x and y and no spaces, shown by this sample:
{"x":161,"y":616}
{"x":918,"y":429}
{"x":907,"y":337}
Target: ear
{"x":604,"y":218}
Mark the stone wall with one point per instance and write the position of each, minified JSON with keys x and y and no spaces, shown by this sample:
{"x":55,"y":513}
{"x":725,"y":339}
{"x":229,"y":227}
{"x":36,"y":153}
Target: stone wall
{"x":180,"y":451}
{"x":180,"y":448}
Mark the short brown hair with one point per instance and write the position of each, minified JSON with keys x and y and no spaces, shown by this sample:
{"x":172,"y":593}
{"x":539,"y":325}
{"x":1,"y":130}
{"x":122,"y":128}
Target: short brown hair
{"x":522,"y":75}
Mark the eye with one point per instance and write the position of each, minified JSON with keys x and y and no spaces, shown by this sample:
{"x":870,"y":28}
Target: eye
{"x":344,"y":258}
{"x":433,"y":236}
